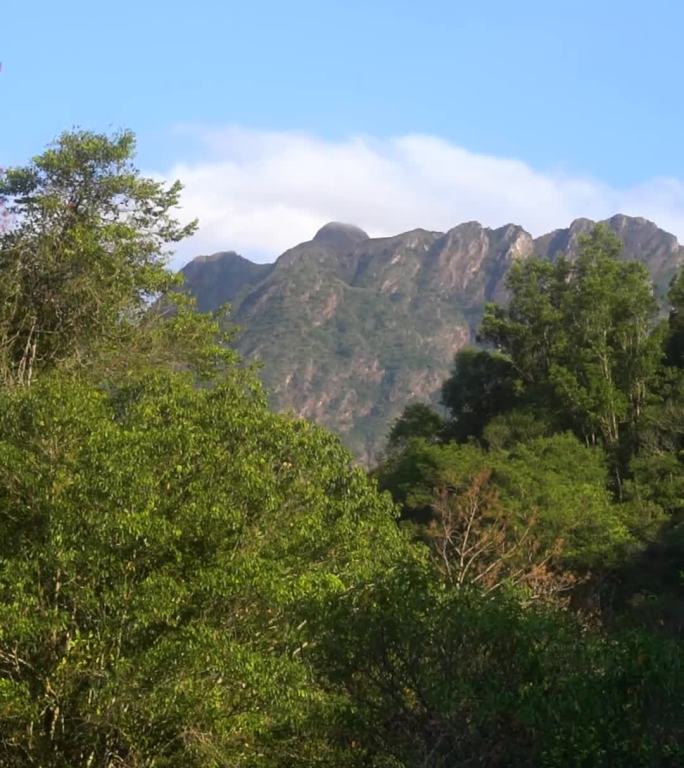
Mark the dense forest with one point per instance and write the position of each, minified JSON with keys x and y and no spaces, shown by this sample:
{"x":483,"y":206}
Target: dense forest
{"x":189,"y":579}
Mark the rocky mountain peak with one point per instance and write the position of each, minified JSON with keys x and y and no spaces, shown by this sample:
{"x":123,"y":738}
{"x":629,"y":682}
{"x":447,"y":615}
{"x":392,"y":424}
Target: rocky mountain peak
{"x":350,"y":328}
{"x":642,"y":241}
{"x":642,"y":232}
{"x":339,"y":235}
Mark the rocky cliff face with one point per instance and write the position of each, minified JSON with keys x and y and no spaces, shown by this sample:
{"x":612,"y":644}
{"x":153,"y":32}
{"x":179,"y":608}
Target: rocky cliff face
{"x":350,"y":328}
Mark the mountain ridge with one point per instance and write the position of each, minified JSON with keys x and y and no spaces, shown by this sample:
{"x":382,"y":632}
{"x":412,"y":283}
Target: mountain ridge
{"x":349,"y":328}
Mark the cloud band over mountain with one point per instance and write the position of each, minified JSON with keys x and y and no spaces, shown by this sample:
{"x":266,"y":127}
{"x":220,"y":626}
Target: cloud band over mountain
{"x":258,"y":192}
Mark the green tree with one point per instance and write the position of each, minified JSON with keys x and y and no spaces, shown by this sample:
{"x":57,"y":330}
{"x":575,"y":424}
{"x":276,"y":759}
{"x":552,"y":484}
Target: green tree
{"x":441,"y":677}
{"x":583,"y":335}
{"x":482,"y":385}
{"x":674,"y":342}
{"x":530,"y":329}
{"x":159,"y":546}
{"x":547,"y":496}
{"x":84,"y":252}
{"x":520,"y":425}
{"x":417,"y":420}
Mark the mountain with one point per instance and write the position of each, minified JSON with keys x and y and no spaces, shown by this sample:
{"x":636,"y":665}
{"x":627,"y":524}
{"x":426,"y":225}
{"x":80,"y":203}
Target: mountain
{"x":351,"y":328}
{"x":643,"y":241}
{"x":220,"y":278}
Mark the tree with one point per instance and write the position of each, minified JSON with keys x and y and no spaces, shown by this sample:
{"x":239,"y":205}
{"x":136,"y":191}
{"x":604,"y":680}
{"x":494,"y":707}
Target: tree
{"x":482,"y":385}
{"x":160,"y":546}
{"x":83,"y":254}
{"x":479,"y":542}
{"x":674,"y":340}
{"x":441,"y":677}
{"x":417,"y":420}
{"x":542,"y":503}
{"x":530,"y":329}
{"x":583,"y":335}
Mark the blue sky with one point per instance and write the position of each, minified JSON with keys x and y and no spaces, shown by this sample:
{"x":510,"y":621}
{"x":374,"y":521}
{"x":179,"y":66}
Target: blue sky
{"x":585,"y":93}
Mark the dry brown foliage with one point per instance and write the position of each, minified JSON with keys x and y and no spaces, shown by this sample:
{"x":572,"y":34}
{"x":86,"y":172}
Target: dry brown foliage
{"x":477,"y":541}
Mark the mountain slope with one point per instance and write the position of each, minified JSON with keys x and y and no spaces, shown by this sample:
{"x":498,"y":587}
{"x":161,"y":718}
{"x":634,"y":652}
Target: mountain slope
{"x":351,"y":328}
{"x":220,"y":278}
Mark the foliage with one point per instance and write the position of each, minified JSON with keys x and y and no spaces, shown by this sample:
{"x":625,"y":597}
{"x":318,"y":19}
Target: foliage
{"x":674,"y":344}
{"x":578,"y":347}
{"x":188,"y":579}
{"x":157,"y":542}
{"x":417,"y":420}
{"x":519,"y":426}
{"x":553,"y":485}
{"x":582,"y":334}
{"x":441,"y":677}
{"x":482,"y":385}
{"x":85,"y":252}
{"x":478,"y":542}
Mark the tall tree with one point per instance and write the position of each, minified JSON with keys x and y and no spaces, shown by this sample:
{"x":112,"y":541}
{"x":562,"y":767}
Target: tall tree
{"x":83,"y":252}
{"x":674,"y":346}
{"x":417,"y":420}
{"x":585,"y":334}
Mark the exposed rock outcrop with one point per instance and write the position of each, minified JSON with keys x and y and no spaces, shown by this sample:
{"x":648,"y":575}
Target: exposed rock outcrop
{"x":350,"y":328}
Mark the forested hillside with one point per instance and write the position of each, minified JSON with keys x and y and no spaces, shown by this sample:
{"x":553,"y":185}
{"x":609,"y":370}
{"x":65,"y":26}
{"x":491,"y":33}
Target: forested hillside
{"x":189,"y":579}
{"x":349,"y":329}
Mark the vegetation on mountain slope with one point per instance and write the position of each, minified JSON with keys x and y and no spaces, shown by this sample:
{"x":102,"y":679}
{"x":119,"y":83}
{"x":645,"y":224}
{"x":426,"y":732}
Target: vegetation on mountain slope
{"x":578,"y":399}
{"x":350,"y":329}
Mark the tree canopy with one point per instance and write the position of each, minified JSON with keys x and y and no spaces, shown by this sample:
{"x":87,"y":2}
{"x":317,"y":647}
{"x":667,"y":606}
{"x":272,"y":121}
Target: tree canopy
{"x":582,"y":334}
{"x":83,"y":254}
{"x":159,"y":544}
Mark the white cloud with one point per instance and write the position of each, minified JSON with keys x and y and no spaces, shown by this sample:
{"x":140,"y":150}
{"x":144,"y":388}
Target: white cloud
{"x":261,"y":192}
